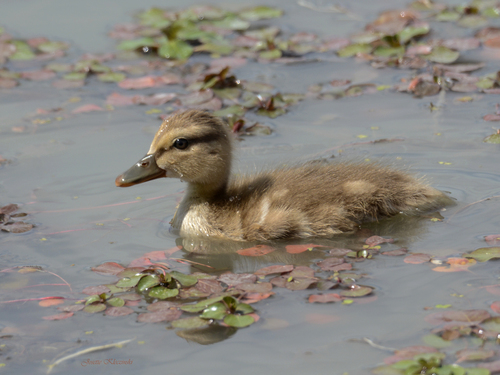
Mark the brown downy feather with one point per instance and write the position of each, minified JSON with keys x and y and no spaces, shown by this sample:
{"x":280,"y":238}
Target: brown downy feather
{"x":313,"y":199}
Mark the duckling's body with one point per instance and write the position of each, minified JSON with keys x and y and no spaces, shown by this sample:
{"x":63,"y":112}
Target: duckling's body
{"x":313,"y":199}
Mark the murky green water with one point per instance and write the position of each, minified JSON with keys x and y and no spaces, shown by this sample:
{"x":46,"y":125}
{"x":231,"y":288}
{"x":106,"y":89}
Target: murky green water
{"x":63,"y":173}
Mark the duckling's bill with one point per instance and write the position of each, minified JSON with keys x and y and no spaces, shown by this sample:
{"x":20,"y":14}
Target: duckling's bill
{"x":144,"y":170}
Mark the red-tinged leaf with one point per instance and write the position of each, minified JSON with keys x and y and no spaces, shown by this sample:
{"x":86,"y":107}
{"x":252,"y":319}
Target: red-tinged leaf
{"x":409,"y":353}
{"x":495,"y":306}
{"x":61,"y":316}
{"x":302,"y":271}
{"x":8,"y":209}
{"x":71,"y":308}
{"x":213,"y":104}
{"x":209,"y":286}
{"x":377,"y":240}
{"x":116,"y":99}
{"x":396,"y":252}
{"x":493,"y":239}
{"x":493,"y":289}
{"x":160,"y":316}
{"x":7,"y":83}
{"x":132,"y":303}
{"x":146,"y":259}
{"x":274,"y":269}
{"x":51,"y":302}
{"x":255,"y":288}
{"x":329,"y":263}
{"x":321,"y":318}
{"x":462,"y":44}
{"x":38,"y":75}
{"x":108,"y":268}
{"x":254,"y":316}
{"x":119,"y":311}
{"x":492,"y":366}
{"x":138,"y":83}
{"x":68,"y":84}
{"x":456,"y":265}
{"x":342,"y":267}
{"x":492,"y":42}
{"x":491,"y":117}
{"x":232,"y":279}
{"x":162,"y":306}
{"x":279,"y":281}
{"x":297,"y":249}
{"x":334,"y":44}
{"x":17,"y":227}
{"x":91,"y":290}
{"x":324,"y":298}
{"x":87,"y":108}
{"x":417,"y":258}
{"x":474,"y":354}
{"x":255,"y":297}
{"x":256,"y":251}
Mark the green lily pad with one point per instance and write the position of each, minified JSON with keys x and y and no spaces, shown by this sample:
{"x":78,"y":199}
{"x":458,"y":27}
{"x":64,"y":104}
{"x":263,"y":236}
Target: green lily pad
{"x":202,"y":305}
{"x":194,"y":322}
{"x":356,"y":291}
{"x":366,"y":37}
{"x":477,"y":371}
{"x":442,"y":55}
{"x":473,"y":21}
{"x":389,"y":51}
{"x":175,"y":49}
{"x":148,"y":281}
{"x":75,"y":76}
{"x":493,"y":12}
{"x":354,"y":49}
{"x":127,"y":45}
{"x":98,"y":307}
{"x":111,"y":77}
{"x":161,"y":292}
{"x":92,"y":299}
{"x":491,"y":324}
{"x":232,"y":22}
{"x":116,"y":302}
{"x":260,"y":12}
{"x":154,"y":17}
{"x":435,"y":341}
{"x":239,"y":321}
{"x":271,"y":55}
{"x":52,"y":46}
{"x":484,"y":254}
{"x":407,"y":33}
{"x":23,"y":51}
{"x":184,"y":280}
{"x":485,"y":83}
{"x":244,"y":308}
{"x":128,"y":282}
{"x":494,"y":138}
{"x":451,"y":370}
{"x":448,"y":16}
{"x":216,"y":311}
{"x":271,"y":113}
{"x":231,"y":93}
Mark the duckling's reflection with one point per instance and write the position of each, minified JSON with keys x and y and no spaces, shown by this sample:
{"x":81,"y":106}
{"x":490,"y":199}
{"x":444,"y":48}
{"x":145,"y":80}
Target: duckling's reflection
{"x":222,"y":254}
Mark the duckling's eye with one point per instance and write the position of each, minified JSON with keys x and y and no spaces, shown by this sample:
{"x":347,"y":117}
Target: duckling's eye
{"x":181,"y":143}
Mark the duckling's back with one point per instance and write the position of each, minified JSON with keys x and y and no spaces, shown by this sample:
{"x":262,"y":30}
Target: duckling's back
{"x":318,"y":199}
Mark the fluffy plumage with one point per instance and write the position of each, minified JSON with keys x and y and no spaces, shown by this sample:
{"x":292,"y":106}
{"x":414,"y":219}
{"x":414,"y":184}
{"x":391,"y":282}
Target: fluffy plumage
{"x":312,"y":199}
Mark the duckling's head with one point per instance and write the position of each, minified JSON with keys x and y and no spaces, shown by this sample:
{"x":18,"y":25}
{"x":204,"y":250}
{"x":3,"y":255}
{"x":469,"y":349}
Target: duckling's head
{"x":194,"y":146}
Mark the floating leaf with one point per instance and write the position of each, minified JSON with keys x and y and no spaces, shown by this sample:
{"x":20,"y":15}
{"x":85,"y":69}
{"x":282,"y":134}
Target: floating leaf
{"x":216,"y":311}
{"x":474,"y":354}
{"x":239,"y":321}
{"x":417,"y":258}
{"x":324,"y":298}
{"x":116,"y":302}
{"x":128,"y":282}
{"x":22,"y":51}
{"x":202,"y":305}
{"x":409,"y":32}
{"x":356,"y":291}
{"x":389,"y":51}
{"x":119,"y":311}
{"x":137,"y":43}
{"x":154,"y":17}
{"x":162,"y":292}
{"x":111,"y":77}
{"x":108,"y":268}
{"x":175,"y":49}
{"x":274,"y":269}
{"x":95,"y":308}
{"x":354,"y":49}
{"x":260,"y":12}
{"x":96,"y":290}
{"x":233,"y":279}
{"x":159,"y":316}
{"x":436,"y":341}
{"x":232,"y":23}
{"x":442,"y":55}
{"x":61,"y":316}
{"x":484,"y":254}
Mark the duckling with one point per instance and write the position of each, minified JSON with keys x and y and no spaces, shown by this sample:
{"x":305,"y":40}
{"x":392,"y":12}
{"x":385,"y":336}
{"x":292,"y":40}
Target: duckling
{"x":308,"y":200}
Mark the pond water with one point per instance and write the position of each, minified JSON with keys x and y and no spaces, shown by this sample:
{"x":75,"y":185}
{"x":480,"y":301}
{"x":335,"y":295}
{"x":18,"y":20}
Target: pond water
{"x":62,"y":174}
